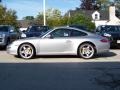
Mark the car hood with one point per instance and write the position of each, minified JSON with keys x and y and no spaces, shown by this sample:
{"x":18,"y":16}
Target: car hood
{"x":3,"y":33}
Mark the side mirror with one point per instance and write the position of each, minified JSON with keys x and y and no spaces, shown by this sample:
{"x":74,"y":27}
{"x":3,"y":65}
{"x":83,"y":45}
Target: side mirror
{"x":49,"y":36}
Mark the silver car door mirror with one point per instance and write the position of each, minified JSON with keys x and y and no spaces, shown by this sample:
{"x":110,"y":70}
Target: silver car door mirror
{"x":49,"y":36}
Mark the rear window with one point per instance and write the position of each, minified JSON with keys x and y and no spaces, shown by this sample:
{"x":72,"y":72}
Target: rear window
{"x":108,"y":29}
{"x":38,"y":29}
{"x":76,"y":33}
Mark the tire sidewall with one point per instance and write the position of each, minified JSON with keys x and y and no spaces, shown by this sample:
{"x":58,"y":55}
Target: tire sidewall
{"x":33,"y":50}
{"x":80,"y":47}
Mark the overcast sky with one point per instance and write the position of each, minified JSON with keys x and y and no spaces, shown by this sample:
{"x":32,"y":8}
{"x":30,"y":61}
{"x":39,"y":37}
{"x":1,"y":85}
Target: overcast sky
{"x":32,"y":7}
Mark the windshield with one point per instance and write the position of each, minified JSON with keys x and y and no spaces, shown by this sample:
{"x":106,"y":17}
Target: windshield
{"x":45,"y":33}
{"x":37,"y":29}
{"x":3,"y":29}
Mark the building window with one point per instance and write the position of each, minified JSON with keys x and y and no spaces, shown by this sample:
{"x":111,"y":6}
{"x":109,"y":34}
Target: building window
{"x":96,"y":16}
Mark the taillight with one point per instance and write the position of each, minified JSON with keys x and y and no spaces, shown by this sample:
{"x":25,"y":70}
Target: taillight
{"x":104,"y":40}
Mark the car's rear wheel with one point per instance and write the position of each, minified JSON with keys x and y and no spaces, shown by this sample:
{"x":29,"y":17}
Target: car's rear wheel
{"x":86,"y":51}
{"x":26,"y":51}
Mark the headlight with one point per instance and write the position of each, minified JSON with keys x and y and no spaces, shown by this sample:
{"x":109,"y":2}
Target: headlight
{"x":2,"y":35}
{"x":23,"y":35}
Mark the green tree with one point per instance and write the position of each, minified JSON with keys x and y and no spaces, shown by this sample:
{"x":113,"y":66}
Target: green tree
{"x":117,"y":5}
{"x":8,"y":16}
{"x":53,"y":13}
{"x":86,"y":4}
{"x":39,"y":18}
{"x":81,"y":19}
{"x":29,"y":18}
{"x":53,"y":17}
{"x":104,"y":4}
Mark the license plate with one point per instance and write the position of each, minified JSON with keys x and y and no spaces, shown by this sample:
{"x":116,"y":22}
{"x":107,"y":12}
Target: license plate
{"x":118,"y":41}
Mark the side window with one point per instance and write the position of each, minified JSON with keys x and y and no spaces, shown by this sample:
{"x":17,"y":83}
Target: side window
{"x":98,"y":29}
{"x":60,"y":33}
{"x":33,"y":29}
{"x":76,"y":33}
{"x":96,"y":16}
{"x":111,"y":29}
{"x":42,"y":29}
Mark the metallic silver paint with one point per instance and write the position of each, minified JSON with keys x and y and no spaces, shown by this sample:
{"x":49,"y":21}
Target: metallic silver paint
{"x":60,"y":46}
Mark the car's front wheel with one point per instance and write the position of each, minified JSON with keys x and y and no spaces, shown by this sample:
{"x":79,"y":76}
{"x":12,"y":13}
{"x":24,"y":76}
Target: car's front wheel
{"x":86,"y":51}
{"x":26,"y":51}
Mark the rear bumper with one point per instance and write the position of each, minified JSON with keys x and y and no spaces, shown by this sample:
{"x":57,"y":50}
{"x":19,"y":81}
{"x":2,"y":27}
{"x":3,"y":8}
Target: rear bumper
{"x":103,"y":48}
{"x":2,"y":44}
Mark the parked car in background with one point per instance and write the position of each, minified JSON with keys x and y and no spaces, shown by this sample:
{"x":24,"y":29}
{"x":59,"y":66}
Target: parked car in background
{"x":35,"y":30}
{"x":22,"y":34}
{"x":110,"y":31}
{"x":61,"y":41}
{"x":7,"y":35}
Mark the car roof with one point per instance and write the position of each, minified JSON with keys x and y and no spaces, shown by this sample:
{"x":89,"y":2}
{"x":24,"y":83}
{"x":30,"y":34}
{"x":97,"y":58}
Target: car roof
{"x":67,"y":27}
{"x":79,"y":26}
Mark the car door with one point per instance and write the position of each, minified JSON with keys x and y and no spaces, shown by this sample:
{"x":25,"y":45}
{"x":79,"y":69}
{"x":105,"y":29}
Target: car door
{"x":58,"y":42}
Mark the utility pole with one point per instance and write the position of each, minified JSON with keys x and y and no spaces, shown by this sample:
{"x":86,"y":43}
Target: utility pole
{"x":0,"y":1}
{"x":69,"y":15}
{"x":44,"y":12}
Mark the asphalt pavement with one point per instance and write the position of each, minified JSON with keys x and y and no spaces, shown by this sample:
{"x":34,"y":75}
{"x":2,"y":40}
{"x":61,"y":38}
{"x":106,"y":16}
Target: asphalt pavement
{"x":60,"y":72}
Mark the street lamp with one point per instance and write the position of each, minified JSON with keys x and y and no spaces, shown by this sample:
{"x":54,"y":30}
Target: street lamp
{"x":44,"y":12}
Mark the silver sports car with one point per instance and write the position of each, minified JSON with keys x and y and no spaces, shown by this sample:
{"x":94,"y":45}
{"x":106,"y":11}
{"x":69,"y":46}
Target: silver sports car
{"x":60,"y":41}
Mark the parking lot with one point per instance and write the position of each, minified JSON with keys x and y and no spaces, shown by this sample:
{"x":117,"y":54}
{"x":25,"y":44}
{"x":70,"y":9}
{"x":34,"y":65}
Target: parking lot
{"x":111,"y":56}
{"x":60,"y":72}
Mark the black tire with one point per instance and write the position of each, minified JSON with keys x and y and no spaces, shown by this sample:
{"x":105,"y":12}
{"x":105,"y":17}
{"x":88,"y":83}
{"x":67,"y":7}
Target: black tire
{"x":86,"y":51}
{"x":26,"y":51}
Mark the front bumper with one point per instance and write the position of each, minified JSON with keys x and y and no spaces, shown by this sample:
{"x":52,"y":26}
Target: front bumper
{"x":12,"y":50}
{"x":3,"y":42}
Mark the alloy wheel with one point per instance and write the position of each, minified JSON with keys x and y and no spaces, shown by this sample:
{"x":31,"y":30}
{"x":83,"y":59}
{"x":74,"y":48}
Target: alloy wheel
{"x":26,"y":51}
{"x":86,"y":51}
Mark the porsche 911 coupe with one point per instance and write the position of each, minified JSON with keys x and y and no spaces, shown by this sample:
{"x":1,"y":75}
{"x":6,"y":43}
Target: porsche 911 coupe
{"x":60,"y":41}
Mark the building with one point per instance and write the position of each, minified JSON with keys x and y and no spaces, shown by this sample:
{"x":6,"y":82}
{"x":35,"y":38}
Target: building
{"x":100,"y":17}
{"x":110,"y":19}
